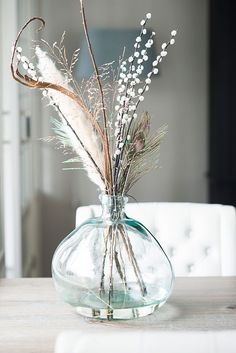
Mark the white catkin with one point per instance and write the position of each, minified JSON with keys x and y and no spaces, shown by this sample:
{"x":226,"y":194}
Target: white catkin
{"x":76,"y":118}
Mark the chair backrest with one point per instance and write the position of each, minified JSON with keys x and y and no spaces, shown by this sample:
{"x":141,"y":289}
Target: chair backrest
{"x":200,"y":239}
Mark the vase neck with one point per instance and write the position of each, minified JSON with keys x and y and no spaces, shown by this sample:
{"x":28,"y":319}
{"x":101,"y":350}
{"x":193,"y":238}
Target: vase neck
{"x":113,"y":207}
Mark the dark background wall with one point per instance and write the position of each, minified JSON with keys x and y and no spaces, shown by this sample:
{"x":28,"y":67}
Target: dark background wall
{"x":222,"y":122}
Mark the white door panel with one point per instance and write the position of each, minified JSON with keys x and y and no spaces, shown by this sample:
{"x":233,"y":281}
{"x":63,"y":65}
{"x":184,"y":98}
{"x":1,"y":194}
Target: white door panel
{"x":10,"y":144}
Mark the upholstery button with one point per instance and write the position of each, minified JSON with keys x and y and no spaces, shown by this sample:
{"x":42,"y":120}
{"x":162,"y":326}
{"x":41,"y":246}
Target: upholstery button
{"x":188,"y":233}
{"x":207,"y":250}
{"x":172,"y":251}
{"x":190,"y":267}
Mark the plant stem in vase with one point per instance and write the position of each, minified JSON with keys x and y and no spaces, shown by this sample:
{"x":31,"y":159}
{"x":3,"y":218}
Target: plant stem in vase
{"x":110,"y":267}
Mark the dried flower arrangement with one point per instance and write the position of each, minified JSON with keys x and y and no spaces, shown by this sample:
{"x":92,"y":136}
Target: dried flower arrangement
{"x":111,"y":140}
{"x":100,"y":123}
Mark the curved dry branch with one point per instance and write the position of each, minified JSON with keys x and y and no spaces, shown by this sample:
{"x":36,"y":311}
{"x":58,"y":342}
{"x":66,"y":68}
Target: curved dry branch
{"x":29,"y":82}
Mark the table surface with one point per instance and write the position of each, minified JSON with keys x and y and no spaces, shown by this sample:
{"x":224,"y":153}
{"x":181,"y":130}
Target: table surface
{"x":31,"y":314}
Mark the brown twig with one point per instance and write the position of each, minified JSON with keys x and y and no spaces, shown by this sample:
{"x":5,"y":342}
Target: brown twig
{"x":101,"y":289}
{"x":133,"y":259}
{"x":112,"y":254}
{"x":108,"y":168}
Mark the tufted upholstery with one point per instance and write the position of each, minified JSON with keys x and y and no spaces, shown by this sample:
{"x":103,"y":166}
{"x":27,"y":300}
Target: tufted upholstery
{"x":200,"y":239}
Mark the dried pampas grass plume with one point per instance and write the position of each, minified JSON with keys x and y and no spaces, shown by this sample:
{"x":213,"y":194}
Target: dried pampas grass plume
{"x":75,"y":127}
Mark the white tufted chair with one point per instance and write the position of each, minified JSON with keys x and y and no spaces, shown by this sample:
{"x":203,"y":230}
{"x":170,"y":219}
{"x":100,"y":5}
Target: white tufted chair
{"x":200,"y":239}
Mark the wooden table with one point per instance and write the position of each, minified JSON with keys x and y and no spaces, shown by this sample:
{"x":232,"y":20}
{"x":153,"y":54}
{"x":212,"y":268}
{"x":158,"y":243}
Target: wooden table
{"x":31,"y":315}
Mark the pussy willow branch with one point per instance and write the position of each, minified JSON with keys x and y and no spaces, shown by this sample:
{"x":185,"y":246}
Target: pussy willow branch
{"x":108,"y":168}
{"x":29,"y":82}
{"x":118,"y":158}
{"x":127,"y":133}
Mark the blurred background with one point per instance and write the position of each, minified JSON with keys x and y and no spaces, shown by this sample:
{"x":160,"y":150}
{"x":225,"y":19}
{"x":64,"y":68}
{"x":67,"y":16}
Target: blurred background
{"x":193,"y":94}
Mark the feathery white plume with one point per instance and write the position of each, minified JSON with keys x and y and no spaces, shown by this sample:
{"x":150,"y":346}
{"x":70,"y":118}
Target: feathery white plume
{"x":77,"y":119}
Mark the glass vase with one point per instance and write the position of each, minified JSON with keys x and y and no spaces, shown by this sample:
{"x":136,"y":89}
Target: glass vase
{"x":112,"y":267}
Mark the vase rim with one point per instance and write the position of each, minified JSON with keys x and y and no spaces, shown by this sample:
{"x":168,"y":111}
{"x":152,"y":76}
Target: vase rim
{"x":118,"y":197}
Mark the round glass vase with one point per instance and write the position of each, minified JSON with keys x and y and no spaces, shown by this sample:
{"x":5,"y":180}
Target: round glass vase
{"x":112,"y":267}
